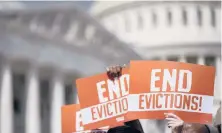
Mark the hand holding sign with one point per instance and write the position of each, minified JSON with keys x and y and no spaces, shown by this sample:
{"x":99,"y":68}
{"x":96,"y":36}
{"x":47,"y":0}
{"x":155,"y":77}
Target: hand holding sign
{"x":114,"y":72}
{"x":173,"y":120}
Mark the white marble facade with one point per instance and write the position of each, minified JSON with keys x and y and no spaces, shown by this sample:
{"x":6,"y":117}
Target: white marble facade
{"x":42,"y":52}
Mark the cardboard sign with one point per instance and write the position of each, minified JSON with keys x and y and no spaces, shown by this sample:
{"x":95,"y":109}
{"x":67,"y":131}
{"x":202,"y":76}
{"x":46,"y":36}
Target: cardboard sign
{"x":158,"y":87}
{"x":103,"y":101}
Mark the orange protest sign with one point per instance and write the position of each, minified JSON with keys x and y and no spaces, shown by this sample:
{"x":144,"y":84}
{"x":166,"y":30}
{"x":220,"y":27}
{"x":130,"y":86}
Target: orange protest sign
{"x":72,"y":120}
{"x":158,"y":87}
{"x":103,"y":101}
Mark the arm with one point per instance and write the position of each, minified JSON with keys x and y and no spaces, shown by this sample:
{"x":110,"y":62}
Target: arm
{"x":174,"y":122}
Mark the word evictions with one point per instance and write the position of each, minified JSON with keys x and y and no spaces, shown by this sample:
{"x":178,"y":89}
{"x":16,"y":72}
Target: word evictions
{"x":170,"y":101}
{"x":112,"y":98}
{"x":177,"y":84}
{"x":79,"y":125}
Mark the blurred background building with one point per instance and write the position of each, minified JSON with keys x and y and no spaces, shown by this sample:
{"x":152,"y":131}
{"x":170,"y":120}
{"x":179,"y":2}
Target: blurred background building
{"x":44,"y":47}
{"x":184,"y":31}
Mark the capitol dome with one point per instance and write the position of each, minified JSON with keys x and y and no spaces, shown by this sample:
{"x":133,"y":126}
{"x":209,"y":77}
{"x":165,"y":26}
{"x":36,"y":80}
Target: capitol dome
{"x":185,"y":31}
{"x":149,"y":25}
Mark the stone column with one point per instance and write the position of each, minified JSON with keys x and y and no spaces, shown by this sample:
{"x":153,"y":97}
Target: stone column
{"x":76,"y":98}
{"x":182,"y":59}
{"x":206,"y":16}
{"x":192,"y":18}
{"x":200,"y":60}
{"x":163,"y":58}
{"x":146,"y":15}
{"x":218,"y":66}
{"x":57,"y":102}
{"x":218,"y":19}
{"x":6,"y":109}
{"x":32,"y":118}
{"x":217,"y":87}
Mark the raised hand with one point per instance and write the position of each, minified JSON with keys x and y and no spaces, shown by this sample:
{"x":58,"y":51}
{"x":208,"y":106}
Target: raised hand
{"x":173,"y":120}
{"x":114,"y":71}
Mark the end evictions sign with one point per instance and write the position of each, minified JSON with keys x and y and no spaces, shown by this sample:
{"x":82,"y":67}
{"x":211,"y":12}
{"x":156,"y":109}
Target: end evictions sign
{"x":157,"y":87}
{"x":103,"y":101}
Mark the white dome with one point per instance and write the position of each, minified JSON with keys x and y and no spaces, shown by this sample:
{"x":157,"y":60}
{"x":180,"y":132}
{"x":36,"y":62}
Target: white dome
{"x":142,"y":24}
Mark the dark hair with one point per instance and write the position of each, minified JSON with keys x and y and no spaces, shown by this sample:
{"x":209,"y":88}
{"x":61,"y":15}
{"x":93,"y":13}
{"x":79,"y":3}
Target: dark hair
{"x":123,"y":129}
{"x":133,"y":126}
{"x":218,"y":128}
{"x":97,"y":131}
{"x":194,"y":128}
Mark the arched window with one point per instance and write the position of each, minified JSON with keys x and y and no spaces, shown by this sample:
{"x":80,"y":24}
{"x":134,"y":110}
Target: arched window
{"x":192,"y":59}
{"x":210,"y":61}
{"x":172,"y":58}
{"x":47,"y":20}
{"x":184,"y":15}
{"x":69,"y":94}
{"x":169,"y":17}
{"x":19,"y":92}
{"x":140,"y":21}
{"x":154,"y":18}
{"x":127,"y":23}
{"x":213,"y":17}
{"x":66,"y":24}
{"x":19,"y":101}
{"x":199,"y":16}
{"x":56,"y":26}
{"x":45,"y":104}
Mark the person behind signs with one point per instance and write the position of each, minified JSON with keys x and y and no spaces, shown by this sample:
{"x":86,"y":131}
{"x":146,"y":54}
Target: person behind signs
{"x":133,"y":126}
{"x":217,"y":120}
{"x":178,"y":126}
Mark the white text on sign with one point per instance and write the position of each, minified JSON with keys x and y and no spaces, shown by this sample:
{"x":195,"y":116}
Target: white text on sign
{"x":79,"y":125}
{"x":172,"y":92}
{"x":176,"y":78}
{"x":112,"y":98}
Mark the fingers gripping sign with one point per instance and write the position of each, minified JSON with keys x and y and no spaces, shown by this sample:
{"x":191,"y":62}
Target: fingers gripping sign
{"x":114,"y":72}
{"x":173,"y":120}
